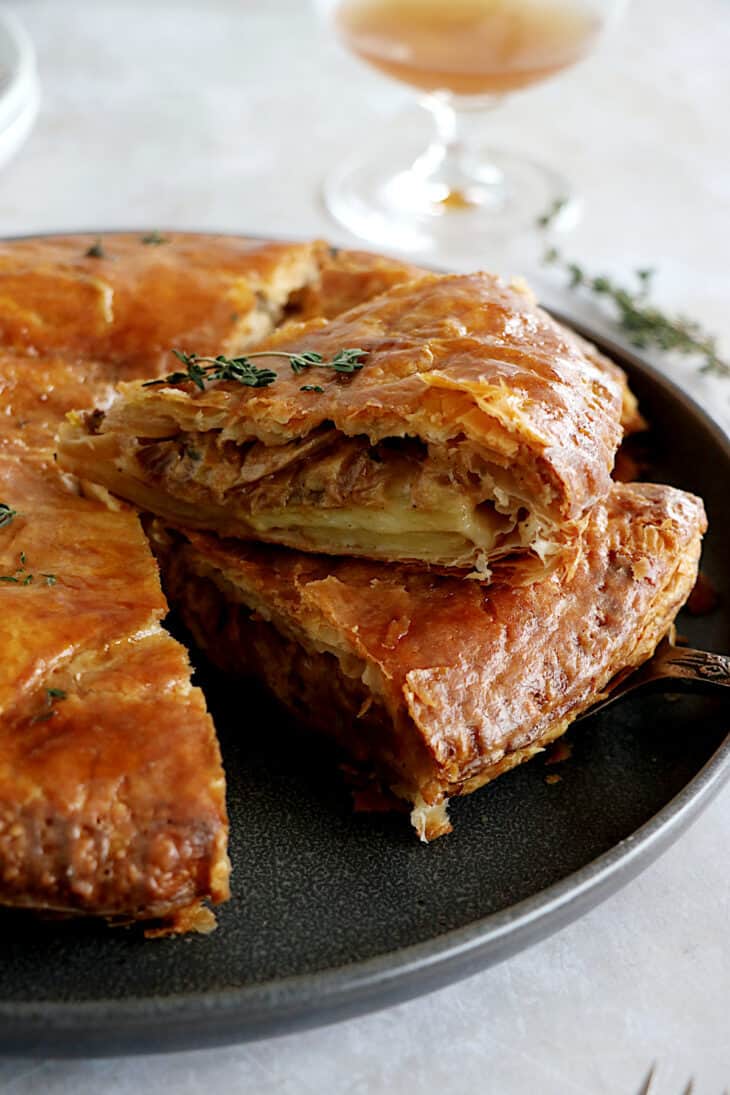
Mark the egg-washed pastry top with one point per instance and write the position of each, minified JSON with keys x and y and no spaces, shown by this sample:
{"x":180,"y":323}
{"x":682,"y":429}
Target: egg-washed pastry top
{"x":471,"y":426}
{"x":127,"y":297}
{"x":112,"y":793}
{"x":434,"y":684}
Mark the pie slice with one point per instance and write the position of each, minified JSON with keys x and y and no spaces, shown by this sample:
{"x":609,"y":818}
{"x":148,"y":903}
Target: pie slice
{"x":476,"y":428}
{"x":435,"y":684}
{"x":112,"y":794}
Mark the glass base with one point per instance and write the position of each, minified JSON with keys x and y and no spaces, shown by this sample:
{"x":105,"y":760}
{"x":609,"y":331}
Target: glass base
{"x":492,"y":194}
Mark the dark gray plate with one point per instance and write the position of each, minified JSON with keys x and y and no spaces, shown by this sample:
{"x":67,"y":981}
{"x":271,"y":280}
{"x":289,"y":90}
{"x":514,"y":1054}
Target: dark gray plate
{"x":334,"y":914}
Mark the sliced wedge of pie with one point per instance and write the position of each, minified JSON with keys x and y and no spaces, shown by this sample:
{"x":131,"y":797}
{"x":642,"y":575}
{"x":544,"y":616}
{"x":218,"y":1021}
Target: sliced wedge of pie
{"x":112,"y":794}
{"x":435,"y":684}
{"x":476,"y":428}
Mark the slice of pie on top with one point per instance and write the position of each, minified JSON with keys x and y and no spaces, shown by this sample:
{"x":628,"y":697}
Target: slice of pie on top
{"x":475,"y":429}
{"x":436,"y":685}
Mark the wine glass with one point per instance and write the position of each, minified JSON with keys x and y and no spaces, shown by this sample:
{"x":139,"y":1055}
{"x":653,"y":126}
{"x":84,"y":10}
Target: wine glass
{"x":463,"y":57}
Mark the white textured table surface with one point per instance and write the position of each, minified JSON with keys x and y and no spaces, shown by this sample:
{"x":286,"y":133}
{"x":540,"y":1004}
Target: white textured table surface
{"x":226,"y":114}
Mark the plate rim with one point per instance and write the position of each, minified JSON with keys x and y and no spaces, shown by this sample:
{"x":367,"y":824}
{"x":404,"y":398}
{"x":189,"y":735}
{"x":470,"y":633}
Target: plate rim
{"x":147,"y":1024}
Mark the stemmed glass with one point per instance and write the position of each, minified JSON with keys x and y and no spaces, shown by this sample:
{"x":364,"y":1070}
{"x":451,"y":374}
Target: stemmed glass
{"x":463,"y":57}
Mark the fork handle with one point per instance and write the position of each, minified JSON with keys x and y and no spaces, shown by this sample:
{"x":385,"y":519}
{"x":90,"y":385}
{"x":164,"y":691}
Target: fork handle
{"x":694,"y":670}
{"x":681,"y":663}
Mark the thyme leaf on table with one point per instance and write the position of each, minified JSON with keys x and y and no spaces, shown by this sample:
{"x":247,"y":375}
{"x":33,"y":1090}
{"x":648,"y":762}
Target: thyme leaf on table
{"x":646,"y":325}
{"x":547,"y":219}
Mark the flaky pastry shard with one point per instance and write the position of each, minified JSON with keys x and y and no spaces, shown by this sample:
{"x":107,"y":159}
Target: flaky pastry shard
{"x":433,"y":684}
{"x":476,"y":428}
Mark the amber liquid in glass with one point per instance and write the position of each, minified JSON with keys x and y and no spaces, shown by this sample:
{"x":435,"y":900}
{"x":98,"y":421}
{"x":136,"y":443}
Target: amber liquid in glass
{"x":468,"y":47}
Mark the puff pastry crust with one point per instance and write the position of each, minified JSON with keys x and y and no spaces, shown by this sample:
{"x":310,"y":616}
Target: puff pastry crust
{"x":477,"y":428}
{"x":434,"y":684}
{"x":119,"y":299}
{"x":111,"y":787}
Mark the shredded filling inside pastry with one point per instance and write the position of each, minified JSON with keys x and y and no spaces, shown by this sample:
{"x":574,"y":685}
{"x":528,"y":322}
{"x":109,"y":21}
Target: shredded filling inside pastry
{"x":441,"y":504}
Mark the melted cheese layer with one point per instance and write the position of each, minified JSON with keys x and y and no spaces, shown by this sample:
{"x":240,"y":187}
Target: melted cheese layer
{"x":451,"y":532}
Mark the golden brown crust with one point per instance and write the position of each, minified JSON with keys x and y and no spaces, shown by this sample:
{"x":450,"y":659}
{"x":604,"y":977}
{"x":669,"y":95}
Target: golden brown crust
{"x":463,"y":679}
{"x":632,"y":421}
{"x":36,"y":393}
{"x":112,"y":797}
{"x":450,"y":356}
{"x":138,"y":300}
{"x":107,"y":805}
{"x":111,"y":787}
{"x":348,"y":278}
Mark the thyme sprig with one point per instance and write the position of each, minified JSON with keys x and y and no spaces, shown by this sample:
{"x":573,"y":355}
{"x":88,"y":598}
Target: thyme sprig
{"x":96,"y":251}
{"x":646,"y":325}
{"x":200,"y":369}
{"x":22,"y":577}
{"x":7,"y":514}
{"x":153,"y":238}
{"x":49,"y":711}
{"x":551,"y":214}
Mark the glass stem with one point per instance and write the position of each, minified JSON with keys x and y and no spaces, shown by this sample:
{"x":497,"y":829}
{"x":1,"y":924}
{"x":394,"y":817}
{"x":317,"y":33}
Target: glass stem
{"x":455,"y":164}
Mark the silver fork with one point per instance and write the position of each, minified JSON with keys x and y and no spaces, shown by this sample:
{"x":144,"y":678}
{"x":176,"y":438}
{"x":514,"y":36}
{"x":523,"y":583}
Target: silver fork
{"x":671,"y":669}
